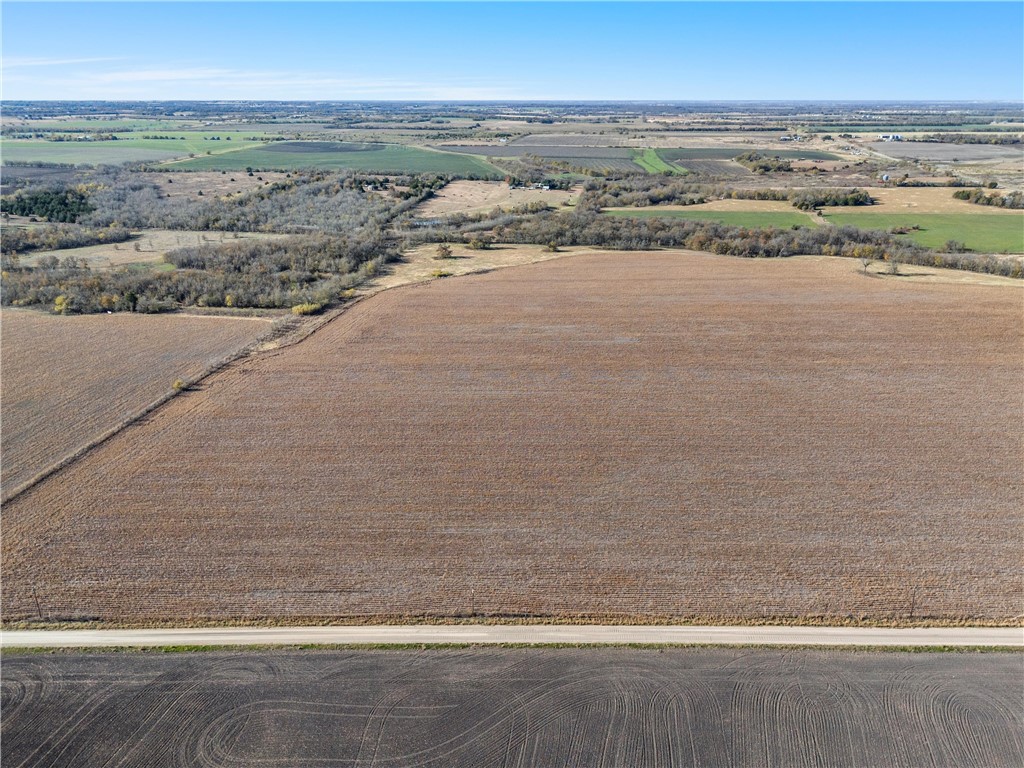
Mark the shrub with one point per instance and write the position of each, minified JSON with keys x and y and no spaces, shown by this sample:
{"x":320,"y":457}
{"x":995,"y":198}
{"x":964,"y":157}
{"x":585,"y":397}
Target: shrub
{"x":810,"y":199}
{"x":64,"y":205}
{"x":762,"y":164}
{"x":63,"y":305}
{"x":308,"y":308}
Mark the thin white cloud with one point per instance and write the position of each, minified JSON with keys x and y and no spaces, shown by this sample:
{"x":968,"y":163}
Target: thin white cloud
{"x":44,"y":61}
{"x":193,"y":74}
{"x":220,"y":83}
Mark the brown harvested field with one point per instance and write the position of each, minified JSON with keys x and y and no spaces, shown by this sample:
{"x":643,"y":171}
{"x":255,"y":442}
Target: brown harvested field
{"x":616,"y":434}
{"x":477,"y":196}
{"x":146,"y":246}
{"x":937,"y":152}
{"x":756,"y":141}
{"x":420,"y":264}
{"x":920,"y":200}
{"x":68,"y":380}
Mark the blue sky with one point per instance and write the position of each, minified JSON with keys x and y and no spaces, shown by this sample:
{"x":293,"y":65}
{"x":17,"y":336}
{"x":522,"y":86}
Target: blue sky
{"x":507,"y":50}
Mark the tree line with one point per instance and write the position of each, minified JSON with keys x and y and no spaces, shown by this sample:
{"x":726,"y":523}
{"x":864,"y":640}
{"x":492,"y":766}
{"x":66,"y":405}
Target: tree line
{"x":312,"y":202}
{"x":981,"y":197}
{"x":587,"y":227}
{"x":61,"y":204}
{"x":52,"y":237}
{"x":811,"y":199}
{"x":641,"y":191}
{"x":306,"y":269}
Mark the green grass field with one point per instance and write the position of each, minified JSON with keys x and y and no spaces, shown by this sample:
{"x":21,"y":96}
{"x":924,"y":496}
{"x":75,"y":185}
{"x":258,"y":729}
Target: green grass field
{"x":982,"y":232}
{"x":128,"y":148}
{"x":649,"y":160}
{"x":384,"y":158}
{"x":83,"y":153}
{"x":751,"y":219}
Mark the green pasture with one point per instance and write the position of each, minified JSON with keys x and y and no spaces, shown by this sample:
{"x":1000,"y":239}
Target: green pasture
{"x":81,"y":153}
{"x":749,"y":219}
{"x":128,"y":148}
{"x":383,"y":158}
{"x":981,"y":232}
{"x":649,"y":160}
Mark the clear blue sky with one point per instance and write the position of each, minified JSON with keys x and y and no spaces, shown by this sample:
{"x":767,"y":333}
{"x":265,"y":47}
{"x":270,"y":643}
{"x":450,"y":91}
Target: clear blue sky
{"x":506,"y":50}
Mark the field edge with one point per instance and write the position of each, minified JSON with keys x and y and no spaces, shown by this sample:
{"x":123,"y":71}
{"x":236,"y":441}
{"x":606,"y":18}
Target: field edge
{"x":637,"y":620}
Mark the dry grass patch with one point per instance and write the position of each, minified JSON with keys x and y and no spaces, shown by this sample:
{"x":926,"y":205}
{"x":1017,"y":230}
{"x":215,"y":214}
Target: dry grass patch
{"x":147,"y":246}
{"x":647,"y":433}
{"x":921,"y":200}
{"x":419,"y":264}
{"x":477,"y":196}
{"x":190,"y":184}
{"x":912,"y":273}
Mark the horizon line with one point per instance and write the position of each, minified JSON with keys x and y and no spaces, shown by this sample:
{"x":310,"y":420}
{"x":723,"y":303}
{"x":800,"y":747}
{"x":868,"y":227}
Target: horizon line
{"x":808,"y":100}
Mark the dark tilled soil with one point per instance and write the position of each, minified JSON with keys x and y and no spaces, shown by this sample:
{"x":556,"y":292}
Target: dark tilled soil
{"x":610,"y":707}
{"x":304,"y":147}
{"x":558,"y":152}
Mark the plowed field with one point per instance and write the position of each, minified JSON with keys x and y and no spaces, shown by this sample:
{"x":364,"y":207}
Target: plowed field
{"x":67,"y":380}
{"x":616,"y":434}
{"x":514,"y":708}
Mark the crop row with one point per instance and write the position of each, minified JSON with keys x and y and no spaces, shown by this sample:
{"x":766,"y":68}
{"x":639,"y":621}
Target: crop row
{"x":643,"y":433}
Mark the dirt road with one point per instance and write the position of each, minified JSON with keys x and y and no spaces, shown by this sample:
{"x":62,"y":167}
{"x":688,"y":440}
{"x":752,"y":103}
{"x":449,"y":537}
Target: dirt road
{"x":516,"y":634}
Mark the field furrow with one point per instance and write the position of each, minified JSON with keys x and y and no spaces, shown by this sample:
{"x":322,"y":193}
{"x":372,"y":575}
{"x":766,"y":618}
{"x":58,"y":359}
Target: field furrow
{"x":515,"y":708}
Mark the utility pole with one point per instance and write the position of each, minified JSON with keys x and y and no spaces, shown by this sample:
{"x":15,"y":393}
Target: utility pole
{"x":39,"y":611}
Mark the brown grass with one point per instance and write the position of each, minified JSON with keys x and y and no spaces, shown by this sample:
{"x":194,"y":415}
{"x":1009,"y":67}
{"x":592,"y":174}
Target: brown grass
{"x":68,"y":380}
{"x":920,"y":200}
{"x":146,"y":246}
{"x":661,"y":434}
{"x":419,"y":264}
{"x":181,"y":184}
{"x":483,"y":196}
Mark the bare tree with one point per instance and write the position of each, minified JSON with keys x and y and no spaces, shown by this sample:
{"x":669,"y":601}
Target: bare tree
{"x":894,"y":257}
